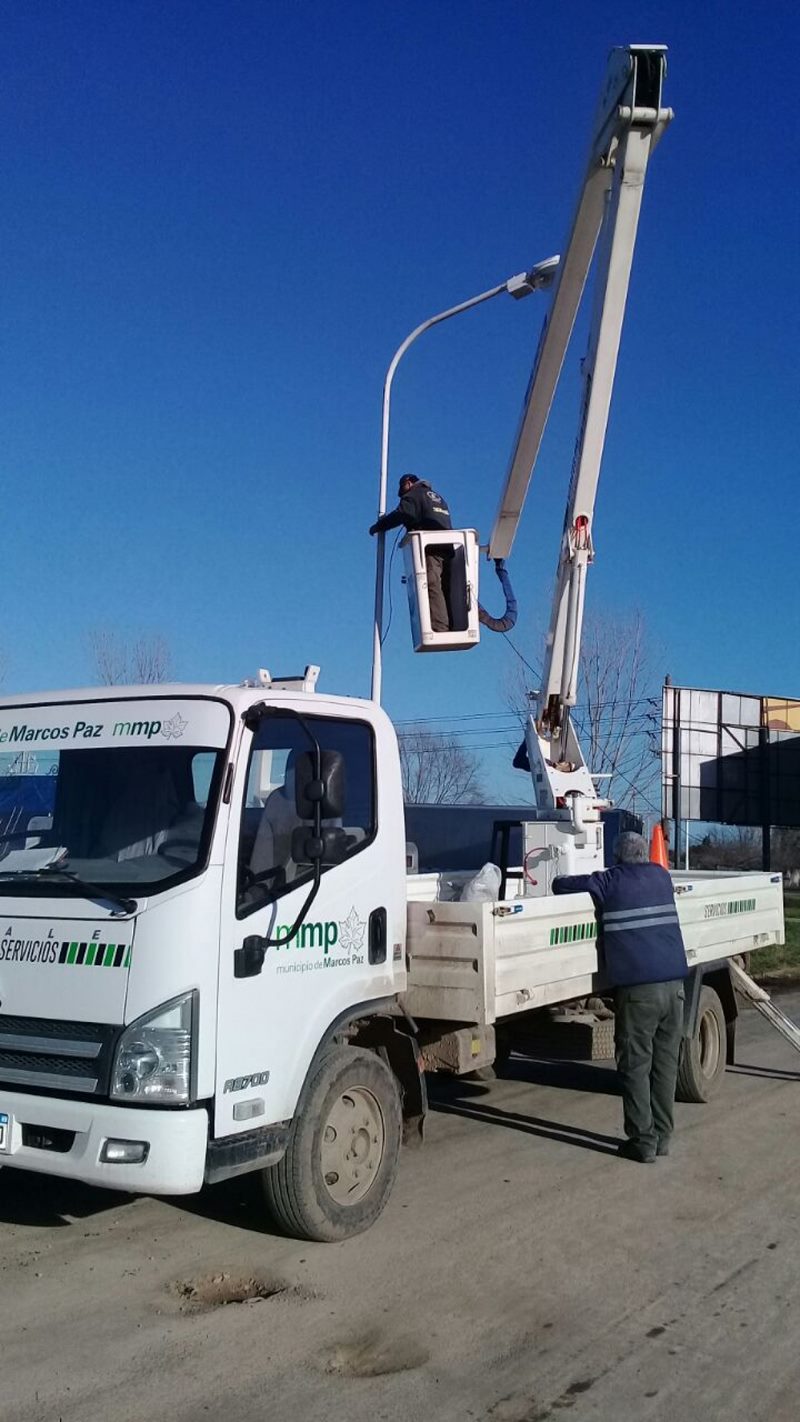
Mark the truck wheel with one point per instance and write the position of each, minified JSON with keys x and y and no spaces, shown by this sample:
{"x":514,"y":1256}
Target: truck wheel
{"x":702,"y":1060}
{"x":341,"y":1160}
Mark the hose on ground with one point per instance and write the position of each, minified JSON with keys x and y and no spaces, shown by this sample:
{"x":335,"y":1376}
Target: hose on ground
{"x":507,"y":621}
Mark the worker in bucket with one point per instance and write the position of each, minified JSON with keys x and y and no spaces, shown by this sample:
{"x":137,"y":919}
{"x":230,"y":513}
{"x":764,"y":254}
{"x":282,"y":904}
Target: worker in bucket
{"x":421,"y":508}
{"x":645,"y":963}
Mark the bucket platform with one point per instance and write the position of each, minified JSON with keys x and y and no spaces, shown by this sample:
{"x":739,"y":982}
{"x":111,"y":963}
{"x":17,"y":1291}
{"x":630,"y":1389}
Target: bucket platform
{"x":458,"y":550}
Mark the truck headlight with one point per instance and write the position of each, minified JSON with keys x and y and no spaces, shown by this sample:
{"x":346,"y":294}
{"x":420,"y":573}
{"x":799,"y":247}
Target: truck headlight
{"x":153,"y":1060}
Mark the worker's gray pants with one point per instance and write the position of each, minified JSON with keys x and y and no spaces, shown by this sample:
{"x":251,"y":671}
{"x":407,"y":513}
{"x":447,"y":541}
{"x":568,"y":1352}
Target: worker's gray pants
{"x":437,"y":567}
{"x":647,"y":1036}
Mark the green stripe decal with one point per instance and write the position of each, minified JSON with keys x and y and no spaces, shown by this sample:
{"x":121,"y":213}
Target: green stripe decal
{"x":95,"y":955}
{"x":741,"y":905}
{"x":572,"y":933}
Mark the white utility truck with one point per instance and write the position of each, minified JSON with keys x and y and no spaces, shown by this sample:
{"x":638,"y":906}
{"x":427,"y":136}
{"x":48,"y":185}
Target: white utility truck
{"x":212,"y":959}
{"x":160,"y":1023}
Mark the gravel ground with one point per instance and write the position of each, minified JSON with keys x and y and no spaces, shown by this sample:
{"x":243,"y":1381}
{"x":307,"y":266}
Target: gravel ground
{"x":520,"y":1272}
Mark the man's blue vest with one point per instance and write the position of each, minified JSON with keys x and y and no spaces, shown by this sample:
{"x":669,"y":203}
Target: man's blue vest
{"x":641,"y":936}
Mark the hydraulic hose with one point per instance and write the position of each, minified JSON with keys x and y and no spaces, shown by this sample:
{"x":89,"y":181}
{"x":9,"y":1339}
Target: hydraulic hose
{"x":507,"y":621}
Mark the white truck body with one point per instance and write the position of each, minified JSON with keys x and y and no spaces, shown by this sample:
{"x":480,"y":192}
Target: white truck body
{"x":483,"y":962}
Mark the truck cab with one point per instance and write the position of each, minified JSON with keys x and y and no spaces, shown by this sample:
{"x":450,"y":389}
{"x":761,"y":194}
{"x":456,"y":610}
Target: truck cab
{"x":178,"y":946}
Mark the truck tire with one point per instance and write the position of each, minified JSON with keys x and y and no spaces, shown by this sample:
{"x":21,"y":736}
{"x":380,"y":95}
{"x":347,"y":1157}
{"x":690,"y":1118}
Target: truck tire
{"x":344,"y":1144}
{"x":702,"y":1060}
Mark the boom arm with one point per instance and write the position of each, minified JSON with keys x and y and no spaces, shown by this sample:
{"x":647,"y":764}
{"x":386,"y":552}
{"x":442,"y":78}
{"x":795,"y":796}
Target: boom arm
{"x":630,"y":120}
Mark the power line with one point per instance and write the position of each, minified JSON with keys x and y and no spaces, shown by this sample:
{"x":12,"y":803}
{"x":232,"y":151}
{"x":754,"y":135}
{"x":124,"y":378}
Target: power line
{"x":445,"y":735}
{"x":437,"y":750}
{"x":471,"y":716}
{"x":635,"y":788}
{"x":579,"y":711}
{"x":525,"y":662}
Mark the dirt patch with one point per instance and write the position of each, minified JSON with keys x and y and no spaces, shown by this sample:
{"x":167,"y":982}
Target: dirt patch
{"x":515,"y":1408}
{"x":373,"y":1356}
{"x":571,"y":1394}
{"x":217,"y":1290}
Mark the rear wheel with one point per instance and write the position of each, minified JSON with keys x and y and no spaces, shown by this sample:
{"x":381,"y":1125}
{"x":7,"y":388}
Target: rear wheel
{"x":702,"y":1060}
{"x":341,"y":1160}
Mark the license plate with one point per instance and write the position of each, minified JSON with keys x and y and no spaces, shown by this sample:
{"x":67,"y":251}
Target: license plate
{"x":5,"y":1131}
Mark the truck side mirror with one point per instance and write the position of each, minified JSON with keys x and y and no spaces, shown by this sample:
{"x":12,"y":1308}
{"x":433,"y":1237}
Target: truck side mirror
{"x":329,"y":847}
{"x":328,"y":791}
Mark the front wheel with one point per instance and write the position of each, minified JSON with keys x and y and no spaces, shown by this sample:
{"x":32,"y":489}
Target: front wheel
{"x":341,"y":1160}
{"x":702,"y":1060}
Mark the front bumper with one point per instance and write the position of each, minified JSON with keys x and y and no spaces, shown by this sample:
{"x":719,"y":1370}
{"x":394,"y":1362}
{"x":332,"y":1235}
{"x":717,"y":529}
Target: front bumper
{"x":176,"y":1143}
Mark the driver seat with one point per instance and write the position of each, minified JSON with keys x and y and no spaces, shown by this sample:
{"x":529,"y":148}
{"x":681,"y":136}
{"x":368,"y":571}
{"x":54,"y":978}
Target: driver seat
{"x":272,"y":848}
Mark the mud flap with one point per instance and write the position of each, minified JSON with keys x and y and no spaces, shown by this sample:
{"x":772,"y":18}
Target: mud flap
{"x":394,"y":1039}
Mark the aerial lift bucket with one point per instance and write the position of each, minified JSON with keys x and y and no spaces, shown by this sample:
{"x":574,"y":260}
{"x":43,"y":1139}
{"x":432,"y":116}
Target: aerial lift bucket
{"x":458,"y":548}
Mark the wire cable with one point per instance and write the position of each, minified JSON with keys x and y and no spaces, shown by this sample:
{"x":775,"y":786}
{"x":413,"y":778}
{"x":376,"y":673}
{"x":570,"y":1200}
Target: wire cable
{"x":524,"y":661}
{"x":389,"y":581}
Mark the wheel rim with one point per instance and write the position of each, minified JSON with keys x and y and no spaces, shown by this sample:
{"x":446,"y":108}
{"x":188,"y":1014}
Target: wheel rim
{"x":352,"y":1145}
{"x":710,"y":1044}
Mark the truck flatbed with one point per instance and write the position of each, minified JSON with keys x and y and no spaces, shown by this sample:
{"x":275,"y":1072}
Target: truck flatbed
{"x":477,"y":963}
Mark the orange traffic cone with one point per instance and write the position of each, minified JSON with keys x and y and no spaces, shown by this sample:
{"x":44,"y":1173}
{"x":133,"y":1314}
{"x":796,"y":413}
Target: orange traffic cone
{"x":658,"y":847}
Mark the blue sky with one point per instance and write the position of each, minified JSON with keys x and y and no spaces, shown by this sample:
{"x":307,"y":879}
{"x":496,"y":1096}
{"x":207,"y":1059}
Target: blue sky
{"x":220,"y":219}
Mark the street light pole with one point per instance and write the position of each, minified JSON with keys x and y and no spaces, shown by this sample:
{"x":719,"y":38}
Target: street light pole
{"x":517,"y":286}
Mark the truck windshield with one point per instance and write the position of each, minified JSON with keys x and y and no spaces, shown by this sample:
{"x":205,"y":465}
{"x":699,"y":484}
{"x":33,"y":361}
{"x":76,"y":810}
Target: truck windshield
{"x":128,"y":816}
{"x":134,"y":815}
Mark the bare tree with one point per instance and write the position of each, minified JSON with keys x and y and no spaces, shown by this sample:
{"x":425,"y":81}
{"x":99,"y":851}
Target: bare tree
{"x":617,"y":718}
{"x":786,"y":848}
{"x":728,"y":847}
{"x":436,"y":770}
{"x":117,"y":662}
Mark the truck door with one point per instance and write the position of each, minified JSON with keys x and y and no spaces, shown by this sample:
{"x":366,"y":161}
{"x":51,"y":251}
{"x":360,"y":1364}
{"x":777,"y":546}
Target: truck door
{"x":271,"y":1022}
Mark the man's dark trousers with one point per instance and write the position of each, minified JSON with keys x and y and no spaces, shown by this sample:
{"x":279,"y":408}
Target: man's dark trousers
{"x":647,"y":1036}
{"x":437,"y":568}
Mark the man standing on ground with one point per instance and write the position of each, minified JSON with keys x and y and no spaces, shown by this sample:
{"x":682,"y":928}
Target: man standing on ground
{"x":645,"y":963}
{"x":420,"y":507}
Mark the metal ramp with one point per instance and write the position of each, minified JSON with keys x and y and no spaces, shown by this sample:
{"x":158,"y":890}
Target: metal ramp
{"x":763,"y":1003}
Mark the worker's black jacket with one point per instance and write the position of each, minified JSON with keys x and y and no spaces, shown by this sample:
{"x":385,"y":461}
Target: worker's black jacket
{"x":421,"y":507}
{"x":635,"y":904}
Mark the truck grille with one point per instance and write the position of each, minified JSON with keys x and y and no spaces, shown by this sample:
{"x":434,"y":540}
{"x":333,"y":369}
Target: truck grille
{"x":40,"y":1054}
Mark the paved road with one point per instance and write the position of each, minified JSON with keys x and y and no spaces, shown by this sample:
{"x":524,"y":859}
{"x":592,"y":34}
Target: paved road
{"x":520,"y":1272}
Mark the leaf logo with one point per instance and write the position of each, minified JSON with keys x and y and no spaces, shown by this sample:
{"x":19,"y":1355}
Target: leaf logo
{"x":174,"y":728}
{"x":351,"y":932}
